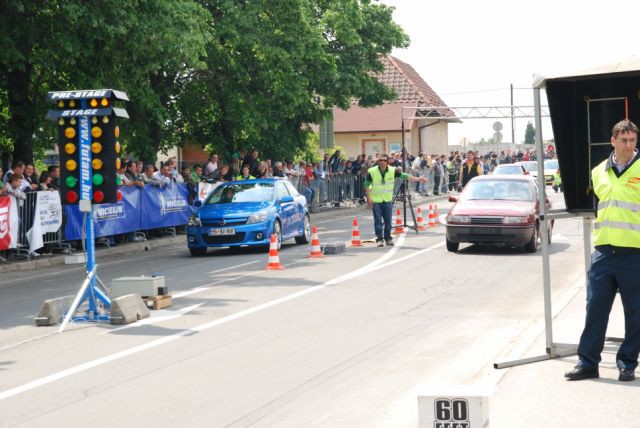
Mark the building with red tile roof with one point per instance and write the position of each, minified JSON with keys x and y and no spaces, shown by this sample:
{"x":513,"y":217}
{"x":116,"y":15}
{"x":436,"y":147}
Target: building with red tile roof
{"x":379,"y":129}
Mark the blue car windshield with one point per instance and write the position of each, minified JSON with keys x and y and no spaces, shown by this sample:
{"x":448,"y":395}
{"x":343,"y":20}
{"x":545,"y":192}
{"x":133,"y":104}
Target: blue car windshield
{"x":248,"y":192}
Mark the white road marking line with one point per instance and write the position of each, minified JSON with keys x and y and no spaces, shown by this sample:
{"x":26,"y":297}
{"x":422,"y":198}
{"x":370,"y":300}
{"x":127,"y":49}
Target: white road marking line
{"x":208,"y":286}
{"x":234,"y":266}
{"x":376,"y":264}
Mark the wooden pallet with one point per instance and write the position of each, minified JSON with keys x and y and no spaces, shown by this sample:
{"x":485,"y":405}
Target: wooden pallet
{"x":158,"y":302}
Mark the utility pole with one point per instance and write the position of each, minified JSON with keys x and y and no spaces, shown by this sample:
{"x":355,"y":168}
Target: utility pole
{"x":513,"y":127}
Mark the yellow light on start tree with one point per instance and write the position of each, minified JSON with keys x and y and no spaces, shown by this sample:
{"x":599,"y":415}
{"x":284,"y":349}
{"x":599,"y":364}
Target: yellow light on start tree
{"x":70,"y":148}
{"x":96,"y":132}
{"x":96,"y":147}
{"x":69,"y":132}
{"x":71,"y":165}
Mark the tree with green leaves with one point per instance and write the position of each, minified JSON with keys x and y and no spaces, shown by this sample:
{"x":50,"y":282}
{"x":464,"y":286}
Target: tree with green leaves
{"x":225,"y":73}
{"x":530,"y":134}
{"x":274,"y":67}
{"x":133,"y":46}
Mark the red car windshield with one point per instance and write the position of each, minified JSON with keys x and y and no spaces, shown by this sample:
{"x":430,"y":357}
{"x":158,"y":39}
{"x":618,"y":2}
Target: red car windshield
{"x":497,"y":190}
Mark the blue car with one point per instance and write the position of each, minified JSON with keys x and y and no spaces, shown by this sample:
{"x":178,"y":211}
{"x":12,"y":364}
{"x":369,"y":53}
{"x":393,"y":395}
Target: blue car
{"x":247,"y":213}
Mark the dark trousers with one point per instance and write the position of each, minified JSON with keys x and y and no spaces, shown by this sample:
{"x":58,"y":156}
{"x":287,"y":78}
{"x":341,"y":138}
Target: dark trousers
{"x":382,"y":211}
{"x":610,"y":273}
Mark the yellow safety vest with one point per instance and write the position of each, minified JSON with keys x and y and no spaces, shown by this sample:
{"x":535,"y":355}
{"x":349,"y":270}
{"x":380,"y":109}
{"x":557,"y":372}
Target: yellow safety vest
{"x":382,"y":188}
{"x":618,"y":221}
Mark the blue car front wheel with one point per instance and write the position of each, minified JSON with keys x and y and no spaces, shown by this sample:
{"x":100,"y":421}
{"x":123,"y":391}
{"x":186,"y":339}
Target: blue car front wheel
{"x":277,"y":231}
{"x":306,"y":232}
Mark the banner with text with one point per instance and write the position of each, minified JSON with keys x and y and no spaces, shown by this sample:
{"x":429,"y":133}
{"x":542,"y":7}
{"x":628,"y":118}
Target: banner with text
{"x":9,"y":223}
{"x":140,"y":209}
{"x":165,"y":207}
{"x":47,"y":218}
{"x":110,"y":219}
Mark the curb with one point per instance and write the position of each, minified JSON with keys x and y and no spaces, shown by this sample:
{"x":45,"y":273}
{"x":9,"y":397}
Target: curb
{"x":121,"y":249}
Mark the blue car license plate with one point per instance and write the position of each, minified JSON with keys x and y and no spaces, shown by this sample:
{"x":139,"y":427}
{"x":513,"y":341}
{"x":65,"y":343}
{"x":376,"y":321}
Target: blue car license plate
{"x":222,"y":231}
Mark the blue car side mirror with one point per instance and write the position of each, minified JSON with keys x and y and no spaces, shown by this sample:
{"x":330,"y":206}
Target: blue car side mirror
{"x":285,"y":199}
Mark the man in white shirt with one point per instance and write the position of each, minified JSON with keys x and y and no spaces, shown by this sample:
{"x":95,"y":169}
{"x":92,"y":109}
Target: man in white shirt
{"x":212,"y":165}
{"x":163,"y":176}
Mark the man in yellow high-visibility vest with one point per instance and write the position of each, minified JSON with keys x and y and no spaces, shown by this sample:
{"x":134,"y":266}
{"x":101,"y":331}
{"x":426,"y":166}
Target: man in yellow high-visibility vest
{"x":378,"y":186}
{"x":615,"y":262}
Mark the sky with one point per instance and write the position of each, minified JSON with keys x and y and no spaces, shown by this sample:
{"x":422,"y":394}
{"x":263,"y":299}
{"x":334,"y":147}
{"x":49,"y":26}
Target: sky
{"x":469,"y":52}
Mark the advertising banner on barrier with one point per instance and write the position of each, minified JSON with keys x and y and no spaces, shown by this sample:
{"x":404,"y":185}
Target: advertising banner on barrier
{"x":204,"y":189}
{"x":47,"y":218}
{"x":166,"y":207}
{"x":110,"y":219}
{"x":9,"y":223}
{"x":140,"y":209}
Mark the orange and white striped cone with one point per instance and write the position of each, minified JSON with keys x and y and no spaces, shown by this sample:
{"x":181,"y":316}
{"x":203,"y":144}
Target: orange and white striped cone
{"x":432,"y":217}
{"x":420,"y":221}
{"x":399,"y":227}
{"x":355,"y":234}
{"x":435,"y":209}
{"x":274,"y":259}
{"x":315,"y":243}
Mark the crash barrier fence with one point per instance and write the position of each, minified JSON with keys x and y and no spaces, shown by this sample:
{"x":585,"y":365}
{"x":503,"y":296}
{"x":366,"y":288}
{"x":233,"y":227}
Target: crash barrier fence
{"x":26,"y":210}
{"x":348,"y":189}
{"x":154,"y":208}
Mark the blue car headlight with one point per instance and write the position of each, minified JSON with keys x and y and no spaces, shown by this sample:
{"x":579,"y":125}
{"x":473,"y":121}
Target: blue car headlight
{"x":194,"y":220}
{"x":258,"y":217}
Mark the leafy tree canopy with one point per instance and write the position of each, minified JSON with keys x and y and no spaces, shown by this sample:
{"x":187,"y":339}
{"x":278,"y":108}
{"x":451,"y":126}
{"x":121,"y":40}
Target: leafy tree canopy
{"x":228,"y":73}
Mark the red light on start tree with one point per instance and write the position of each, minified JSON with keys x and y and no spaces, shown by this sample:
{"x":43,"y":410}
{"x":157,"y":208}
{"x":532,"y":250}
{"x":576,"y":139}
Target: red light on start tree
{"x":119,"y":196}
{"x":72,"y":197}
{"x":98,"y":197}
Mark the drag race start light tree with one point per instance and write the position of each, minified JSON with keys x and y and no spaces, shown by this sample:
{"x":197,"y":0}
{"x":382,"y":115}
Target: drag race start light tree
{"x":89,"y":160}
{"x":88,"y":135}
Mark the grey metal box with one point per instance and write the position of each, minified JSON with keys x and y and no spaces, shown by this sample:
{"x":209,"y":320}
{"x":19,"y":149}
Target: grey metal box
{"x":141,"y":285}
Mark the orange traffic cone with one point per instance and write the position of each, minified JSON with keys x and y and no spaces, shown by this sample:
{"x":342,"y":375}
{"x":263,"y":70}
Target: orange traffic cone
{"x":274,"y":259}
{"x":435,"y":209}
{"x":399,"y":227}
{"x":432,"y":217}
{"x":420,"y":221}
{"x":315,"y":243}
{"x":355,"y":234}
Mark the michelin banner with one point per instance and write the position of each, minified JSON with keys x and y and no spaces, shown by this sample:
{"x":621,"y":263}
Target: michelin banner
{"x":139,"y":209}
{"x":165,"y":207}
{"x":110,"y":219}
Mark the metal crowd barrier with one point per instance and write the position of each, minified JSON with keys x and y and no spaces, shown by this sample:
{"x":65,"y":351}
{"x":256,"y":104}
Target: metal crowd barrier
{"x":348,"y":189}
{"x":26,"y":214}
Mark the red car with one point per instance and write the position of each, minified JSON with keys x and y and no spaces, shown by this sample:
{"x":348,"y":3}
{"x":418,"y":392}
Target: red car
{"x":496,"y":210}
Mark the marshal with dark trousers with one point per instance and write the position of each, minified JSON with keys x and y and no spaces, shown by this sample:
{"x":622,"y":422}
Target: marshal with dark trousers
{"x":378,"y":187}
{"x":615,"y":262}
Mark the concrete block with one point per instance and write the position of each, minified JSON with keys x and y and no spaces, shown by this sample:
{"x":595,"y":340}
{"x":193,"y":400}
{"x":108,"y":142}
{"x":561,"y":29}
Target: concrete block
{"x":334,"y":248}
{"x":128,"y":309}
{"x":53,"y":310}
{"x":75,"y":259}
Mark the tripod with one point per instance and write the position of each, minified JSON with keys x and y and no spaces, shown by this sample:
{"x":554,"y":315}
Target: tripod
{"x":404,"y":194}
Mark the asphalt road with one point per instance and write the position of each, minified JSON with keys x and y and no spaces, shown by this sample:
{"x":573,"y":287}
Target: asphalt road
{"x":344,"y":341}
